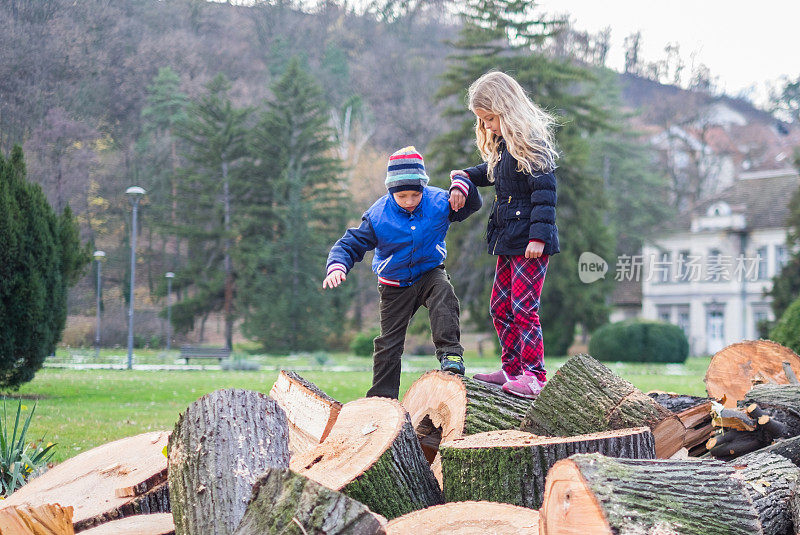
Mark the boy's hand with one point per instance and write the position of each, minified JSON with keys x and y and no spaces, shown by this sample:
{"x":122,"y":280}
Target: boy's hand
{"x":534,"y":249}
{"x":457,"y":199}
{"x":334,"y":279}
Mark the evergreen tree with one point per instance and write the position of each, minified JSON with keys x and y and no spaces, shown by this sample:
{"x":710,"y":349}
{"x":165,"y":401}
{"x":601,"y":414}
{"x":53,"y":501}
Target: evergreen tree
{"x":214,"y":133}
{"x":296,"y":212}
{"x":40,"y":257}
{"x":507,"y":35}
{"x":786,"y":284}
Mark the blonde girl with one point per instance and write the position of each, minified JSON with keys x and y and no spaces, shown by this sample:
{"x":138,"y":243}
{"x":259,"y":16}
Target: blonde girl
{"x":515,"y":139}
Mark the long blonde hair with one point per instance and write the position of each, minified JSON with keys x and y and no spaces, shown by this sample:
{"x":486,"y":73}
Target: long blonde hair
{"x":527,"y":129}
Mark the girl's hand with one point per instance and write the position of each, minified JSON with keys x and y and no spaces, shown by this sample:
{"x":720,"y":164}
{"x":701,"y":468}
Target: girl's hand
{"x":334,"y":279}
{"x":534,"y":249}
{"x":457,"y":199}
{"x":458,"y":172}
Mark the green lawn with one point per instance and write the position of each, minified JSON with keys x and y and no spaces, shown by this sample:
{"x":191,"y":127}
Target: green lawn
{"x":80,"y":409}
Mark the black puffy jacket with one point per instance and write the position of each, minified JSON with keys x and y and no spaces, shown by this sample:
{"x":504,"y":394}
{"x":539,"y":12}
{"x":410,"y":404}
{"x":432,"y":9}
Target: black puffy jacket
{"x":524,"y":207}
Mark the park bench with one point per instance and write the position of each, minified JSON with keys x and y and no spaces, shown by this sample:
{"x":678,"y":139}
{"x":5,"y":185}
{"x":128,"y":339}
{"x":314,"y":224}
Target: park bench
{"x":191,"y":352}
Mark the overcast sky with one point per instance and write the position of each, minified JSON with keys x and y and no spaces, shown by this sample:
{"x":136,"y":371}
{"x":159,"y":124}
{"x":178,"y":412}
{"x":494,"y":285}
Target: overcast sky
{"x":744,"y":44}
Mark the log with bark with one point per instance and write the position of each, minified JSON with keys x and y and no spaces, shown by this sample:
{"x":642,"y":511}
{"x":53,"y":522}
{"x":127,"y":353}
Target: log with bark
{"x":372,"y":455}
{"x":781,"y":402}
{"x":151,"y":502}
{"x":735,"y":369}
{"x":310,"y":412}
{"x":45,"y":519}
{"x":154,"y":524}
{"x":511,"y":466}
{"x":603,"y":496}
{"x":742,"y":431}
{"x":222,"y":443}
{"x":284,"y":502}
{"x":98,"y":483}
{"x":788,"y":448}
{"x":770,"y":479}
{"x":694,"y":413}
{"x":584,"y":397}
{"x":468,"y":518}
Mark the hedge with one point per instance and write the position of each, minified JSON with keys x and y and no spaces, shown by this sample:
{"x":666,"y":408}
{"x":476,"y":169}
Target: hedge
{"x":787,"y":330}
{"x":639,"y":341}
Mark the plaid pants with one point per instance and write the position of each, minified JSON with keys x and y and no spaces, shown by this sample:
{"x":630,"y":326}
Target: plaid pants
{"x":514,"y":307}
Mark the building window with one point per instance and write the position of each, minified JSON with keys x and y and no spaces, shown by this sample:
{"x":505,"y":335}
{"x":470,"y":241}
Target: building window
{"x":662,"y":268}
{"x":683,"y":319}
{"x":683,"y":268}
{"x":780,"y":258}
{"x":760,"y":322}
{"x":664,"y":313}
{"x":761,"y":258}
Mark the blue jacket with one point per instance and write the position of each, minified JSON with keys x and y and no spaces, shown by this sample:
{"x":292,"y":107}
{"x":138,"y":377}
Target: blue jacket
{"x":407,"y":244}
{"x":524,"y":208}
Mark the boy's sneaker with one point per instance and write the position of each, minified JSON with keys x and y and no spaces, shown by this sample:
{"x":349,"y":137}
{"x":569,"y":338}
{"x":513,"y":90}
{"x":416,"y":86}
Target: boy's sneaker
{"x":453,"y":363}
{"x":524,"y":386}
{"x":499,"y":377}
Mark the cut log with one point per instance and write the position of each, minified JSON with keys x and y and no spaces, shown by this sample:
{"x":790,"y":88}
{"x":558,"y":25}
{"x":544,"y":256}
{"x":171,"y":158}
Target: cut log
{"x":511,"y":466}
{"x":468,"y":518}
{"x":781,"y":402}
{"x":770,"y":478}
{"x":155,"y":524}
{"x":586,"y":397}
{"x":695,"y":415}
{"x":794,"y":507}
{"x":89,"y":482}
{"x":444,"y":406}
{"x":282,"y":501}
{"x":310,"y":412}
{"x":772,"y":426}
{"x":219,"y":447}
{"x":153,"y":502}
{"x":788,"y":448}
{"x":734,"y":443}
{"x":600,"y":495}
{"x":45,"y":519}
{"x":372,"y":455}
{"x":735,"y":369}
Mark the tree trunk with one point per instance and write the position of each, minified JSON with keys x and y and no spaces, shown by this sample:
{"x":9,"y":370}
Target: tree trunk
{"x":222,"y":443}
{"x":468,"y":518}
{"x":152,"y":524}
{"x":695,"y":415}
{"x":284,"y":502}
{"x":600,"y":495}
{"x":310,"y":412}
{"x":152,"y":502}
{"x":770,"y":478}
{"x":781,"y":402}
{"x":735,"y":369}
{"x":444,"y":406}
{"x":586,"y":397}
{"x":789,"y":449}
{"x":45,"y":519}
{"x":91,"y":483}
{"x":372,"y":455}
{"x":511,"y":466}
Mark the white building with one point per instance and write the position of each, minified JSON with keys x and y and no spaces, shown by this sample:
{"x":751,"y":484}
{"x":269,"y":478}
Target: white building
{"x":708,"y":270}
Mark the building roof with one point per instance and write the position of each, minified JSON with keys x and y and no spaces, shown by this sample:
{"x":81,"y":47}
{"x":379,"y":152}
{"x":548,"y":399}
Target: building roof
{"x":762,"y":197}
{"x":627,"y":292}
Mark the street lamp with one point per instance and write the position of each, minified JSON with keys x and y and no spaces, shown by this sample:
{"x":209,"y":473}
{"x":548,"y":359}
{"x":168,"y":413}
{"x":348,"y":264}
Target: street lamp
{"x":169,"y":275}
{"x":98,"y":256}
{"x":135,"y":193}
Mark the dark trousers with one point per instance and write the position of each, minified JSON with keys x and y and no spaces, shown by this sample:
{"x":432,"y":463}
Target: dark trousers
{"x":397,"y":307}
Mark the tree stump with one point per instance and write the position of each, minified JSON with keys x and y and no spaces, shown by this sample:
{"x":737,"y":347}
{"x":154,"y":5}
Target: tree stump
{"x":372,"y":455}
{"x":584,"y":397}
{"x":284,"y":501}
{"x":695,"y":415}
{"x":468,"y":518}
{"x":91,"y":482}
{"x":444,"y":406}
{"x":310,"y":412}
{"x":155,"y":524}
{"x":45,"y":519}
{"x":219,"y":447}
{"x":600,"y":495}
{"x":511,"y":466}
{"x":770,"y":479}
{"x":781,"y":402}
{"x":735,"y":369}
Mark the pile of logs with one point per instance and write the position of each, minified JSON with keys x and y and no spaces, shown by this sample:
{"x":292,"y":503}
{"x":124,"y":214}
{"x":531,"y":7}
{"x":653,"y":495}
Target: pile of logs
{"x":592,"y":454}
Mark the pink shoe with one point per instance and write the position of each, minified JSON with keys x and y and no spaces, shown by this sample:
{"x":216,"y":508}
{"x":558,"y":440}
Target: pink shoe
{"x":525,"y":386}
{"x":499,"y":377}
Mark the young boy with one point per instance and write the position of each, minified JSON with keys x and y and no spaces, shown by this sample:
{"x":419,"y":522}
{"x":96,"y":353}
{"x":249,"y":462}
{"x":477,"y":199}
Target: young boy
{"x":407,"y":228}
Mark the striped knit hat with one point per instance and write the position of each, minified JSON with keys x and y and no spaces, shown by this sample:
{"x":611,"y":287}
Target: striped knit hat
{"x":406,"y":171}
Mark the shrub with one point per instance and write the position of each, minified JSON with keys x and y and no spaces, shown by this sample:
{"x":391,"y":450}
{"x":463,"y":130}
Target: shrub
{"x":239,"y":364}
{"x":639,"y":341}
{"x":20,"y":459}
{"x":787,"y":330}
{"x":362,"y":344}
